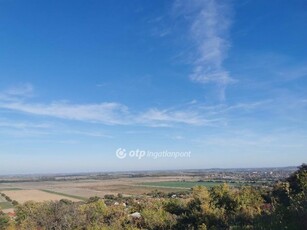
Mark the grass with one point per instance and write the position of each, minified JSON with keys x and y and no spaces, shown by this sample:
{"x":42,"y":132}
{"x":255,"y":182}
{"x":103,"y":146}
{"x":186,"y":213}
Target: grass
{"x":63,"y":194}
{"x":2,"y":199}
{"x":6,"y":205}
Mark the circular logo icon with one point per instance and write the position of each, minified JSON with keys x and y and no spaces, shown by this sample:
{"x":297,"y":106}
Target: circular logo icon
{"x":121,"y":153}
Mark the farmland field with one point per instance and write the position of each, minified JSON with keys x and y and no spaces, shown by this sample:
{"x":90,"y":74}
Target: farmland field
{"x":66,"y":195}
{"x":35,"y":195}
{"x":82,"y":189}
{"x":4,"y":204}
{"x":2,"y":199}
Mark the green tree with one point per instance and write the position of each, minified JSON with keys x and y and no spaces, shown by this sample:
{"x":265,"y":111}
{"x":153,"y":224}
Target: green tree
{"x":289,"y":200}
{"x":4,"y":221}
{"x":155,"y":217}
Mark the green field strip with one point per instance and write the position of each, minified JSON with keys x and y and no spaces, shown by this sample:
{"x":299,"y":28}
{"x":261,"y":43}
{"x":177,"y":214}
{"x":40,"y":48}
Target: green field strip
{"x":161,"y":186}
{"x":64,"y":194}
{"x":6,"y":205}
{"x":2,"y":199}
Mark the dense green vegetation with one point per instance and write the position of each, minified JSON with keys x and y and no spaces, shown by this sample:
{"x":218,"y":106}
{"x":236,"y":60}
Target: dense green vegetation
{"x":218,"y":207}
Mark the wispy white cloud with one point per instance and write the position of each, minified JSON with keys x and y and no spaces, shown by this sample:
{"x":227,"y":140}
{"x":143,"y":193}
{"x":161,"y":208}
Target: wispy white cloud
{"x":24,"y":128}
{"x":210,"y":25}
{"x":89,"y":133}
{"x":107,"y":113}
{"x":25,"y":89}
{"x":110,"y":113}
{"x":159,"y":26}
{"x":293,"y":73}
{"x":16,"y":92}
{"x":177,"y":137}
{"x":23,"y":125}
{"x":101,"y":85}
{"x":114,"y":113}
{"x":167,"y":116}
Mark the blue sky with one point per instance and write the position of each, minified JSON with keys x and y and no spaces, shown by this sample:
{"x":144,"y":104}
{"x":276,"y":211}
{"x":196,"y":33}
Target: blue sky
{"x":225,"y":80}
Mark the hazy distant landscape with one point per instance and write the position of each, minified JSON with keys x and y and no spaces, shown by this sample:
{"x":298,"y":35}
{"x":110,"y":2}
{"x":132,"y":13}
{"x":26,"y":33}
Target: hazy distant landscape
{"x":80,"y":187}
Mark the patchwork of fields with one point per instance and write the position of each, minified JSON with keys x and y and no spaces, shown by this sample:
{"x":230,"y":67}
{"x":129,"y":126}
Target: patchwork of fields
{"x":77,"y":190}
{"x":83,"y":189}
